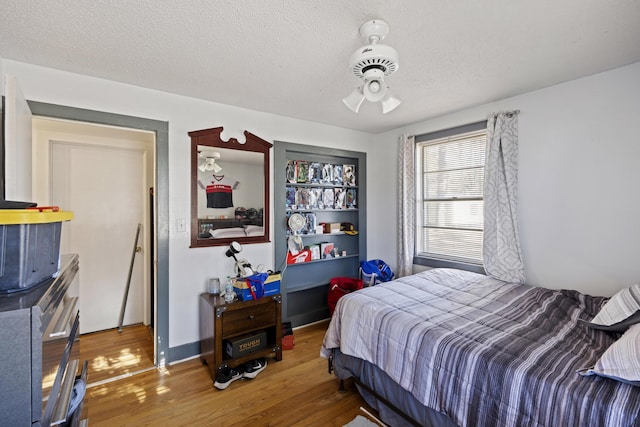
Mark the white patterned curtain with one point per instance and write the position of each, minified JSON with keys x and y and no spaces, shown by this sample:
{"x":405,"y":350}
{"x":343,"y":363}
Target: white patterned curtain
{"x":501,"y":244}
{"x":406,"y":205}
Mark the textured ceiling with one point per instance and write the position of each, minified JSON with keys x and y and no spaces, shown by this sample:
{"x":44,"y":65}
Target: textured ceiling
{"x":291,"y":57}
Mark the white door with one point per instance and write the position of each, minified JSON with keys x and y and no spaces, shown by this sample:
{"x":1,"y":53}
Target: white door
{"x":105,"y":189}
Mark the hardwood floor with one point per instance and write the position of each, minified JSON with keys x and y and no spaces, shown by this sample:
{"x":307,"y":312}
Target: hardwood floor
{"x":112,"y":354}
{"x":297,"y":391}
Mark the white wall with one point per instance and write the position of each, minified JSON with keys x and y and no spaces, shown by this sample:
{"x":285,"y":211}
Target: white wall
{"x":189,"y":269}
{"x":579,"y":202}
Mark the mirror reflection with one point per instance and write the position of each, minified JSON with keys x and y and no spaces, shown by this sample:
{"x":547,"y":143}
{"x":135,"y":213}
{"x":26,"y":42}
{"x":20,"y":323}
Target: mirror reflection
{"x":230,"y":189}
{"x":229,"y":195}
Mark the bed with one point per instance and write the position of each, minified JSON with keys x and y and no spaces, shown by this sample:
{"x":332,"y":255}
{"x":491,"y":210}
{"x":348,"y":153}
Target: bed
{"x":452,"y":348}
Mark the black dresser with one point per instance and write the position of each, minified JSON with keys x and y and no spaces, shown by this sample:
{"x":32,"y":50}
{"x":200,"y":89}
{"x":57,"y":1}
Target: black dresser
{"x":39,"y":344}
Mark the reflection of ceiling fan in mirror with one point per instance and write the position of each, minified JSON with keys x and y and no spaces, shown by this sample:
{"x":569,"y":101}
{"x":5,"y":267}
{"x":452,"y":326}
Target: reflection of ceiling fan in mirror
{"x":209,"y":161}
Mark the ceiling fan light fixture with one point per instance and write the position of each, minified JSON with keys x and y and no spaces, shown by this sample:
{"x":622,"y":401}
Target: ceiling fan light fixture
{"x":216,"y":168}
{"x":374,"y":88}
{"x":210,"y":165}
{"x":372,"y":64}
{"x":354,"y":100}
{"x":389,"y":103}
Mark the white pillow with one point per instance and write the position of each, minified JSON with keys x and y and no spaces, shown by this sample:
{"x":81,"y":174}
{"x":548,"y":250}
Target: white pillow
{"x":621,"y":361}
{"x":226,"y":233}
{"x":622,"y":310}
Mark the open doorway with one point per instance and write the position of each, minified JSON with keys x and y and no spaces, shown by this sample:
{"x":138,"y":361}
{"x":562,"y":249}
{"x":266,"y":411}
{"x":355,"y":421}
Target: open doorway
{"x":102,"y":174}
{"x":156,"y":315}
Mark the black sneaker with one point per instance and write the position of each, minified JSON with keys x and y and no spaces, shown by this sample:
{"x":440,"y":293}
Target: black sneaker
{"x":226,"y":376}
{"x":253,"y":367}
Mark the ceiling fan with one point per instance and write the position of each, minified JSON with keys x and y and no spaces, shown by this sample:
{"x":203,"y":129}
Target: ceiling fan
{"x":372,"y":64}
{"x":209,"y":163}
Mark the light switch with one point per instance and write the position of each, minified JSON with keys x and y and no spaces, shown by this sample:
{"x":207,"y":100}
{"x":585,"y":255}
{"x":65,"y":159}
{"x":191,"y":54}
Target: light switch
{"x":182,"y":225}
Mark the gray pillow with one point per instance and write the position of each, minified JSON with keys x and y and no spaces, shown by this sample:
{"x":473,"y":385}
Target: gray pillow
{"x":621,"y":311}
{"x":621,"y":361}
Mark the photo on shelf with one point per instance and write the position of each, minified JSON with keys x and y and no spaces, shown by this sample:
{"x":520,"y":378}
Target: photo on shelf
{"x":352,"y":198}
{"x":317,"y":194}
{"x":337,"y":174}
{"x":328,"y":198}
{"x":290,"y":171}
{"x":315,"y":251}
{"x":291,"y":197}
{"x":312,"y":221}
{"x":349,"y":175}
{"x":302,"y":198}
{"x":313,"y":198}
{"x":315,"y":173}
{"x":326,"y":250}
{"x":327,"y":174}
{"x":341,"y":201}
{"x":302,"y":171}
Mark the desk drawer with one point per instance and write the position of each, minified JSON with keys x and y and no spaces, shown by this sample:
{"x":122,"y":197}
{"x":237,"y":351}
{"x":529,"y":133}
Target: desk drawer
{"x":247,"y":319}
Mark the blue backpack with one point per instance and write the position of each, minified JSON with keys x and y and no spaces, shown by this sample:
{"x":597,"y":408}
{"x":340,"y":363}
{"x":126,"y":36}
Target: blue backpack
{"x":375,"y":271}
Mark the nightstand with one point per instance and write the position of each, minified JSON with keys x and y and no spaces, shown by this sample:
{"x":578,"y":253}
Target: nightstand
{"x":221,"y":321}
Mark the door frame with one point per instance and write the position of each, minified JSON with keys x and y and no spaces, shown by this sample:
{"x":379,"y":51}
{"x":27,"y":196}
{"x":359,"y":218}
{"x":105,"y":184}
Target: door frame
{"x":161,"y":231}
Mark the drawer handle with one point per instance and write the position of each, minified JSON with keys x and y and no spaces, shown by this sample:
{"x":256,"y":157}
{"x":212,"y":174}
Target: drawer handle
{"x":60,"y":328}
{"x":251,"y":317}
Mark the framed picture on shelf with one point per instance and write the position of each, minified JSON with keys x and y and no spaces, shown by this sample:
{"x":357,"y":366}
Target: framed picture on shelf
{"x":290,"y":171}
{"x":317,"y":193}
{"x":302,"y":171}
{"x":327,"y":174}
{"x":315,"y":173}
{"x":326,"y":250}
{"x":349,"y":175}
{"x":315,"y":251}
{"x":291,"y":197}
{"x":302,"y":198}
{"x":352,"y":198}
{"x":328,"y":198}
{"x":337,"y":174}
{"x":341,"y":199}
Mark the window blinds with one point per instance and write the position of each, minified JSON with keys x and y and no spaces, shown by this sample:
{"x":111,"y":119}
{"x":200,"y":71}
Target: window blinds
{"x":450,"y":196}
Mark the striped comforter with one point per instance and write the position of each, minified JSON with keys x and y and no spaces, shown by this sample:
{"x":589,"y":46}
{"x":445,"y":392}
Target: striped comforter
{"x":485,"y":352}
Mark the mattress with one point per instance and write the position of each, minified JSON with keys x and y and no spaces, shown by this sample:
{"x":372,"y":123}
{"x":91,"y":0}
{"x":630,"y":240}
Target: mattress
{"x":485,"y":352}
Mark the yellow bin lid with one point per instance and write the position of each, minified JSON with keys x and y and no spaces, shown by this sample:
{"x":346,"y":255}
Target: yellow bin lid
{"x":32,"y":216}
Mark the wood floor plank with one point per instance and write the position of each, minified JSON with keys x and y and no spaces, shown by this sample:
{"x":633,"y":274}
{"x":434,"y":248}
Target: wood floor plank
{"x":297,"y":391}
{"x":111,"y":353}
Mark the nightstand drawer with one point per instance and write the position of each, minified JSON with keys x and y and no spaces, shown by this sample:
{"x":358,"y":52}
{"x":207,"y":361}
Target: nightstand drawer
{"x":241,"y":321}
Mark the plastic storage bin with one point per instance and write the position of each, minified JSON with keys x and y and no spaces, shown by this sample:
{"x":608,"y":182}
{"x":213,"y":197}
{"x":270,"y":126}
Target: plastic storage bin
{"x":29,"y":246}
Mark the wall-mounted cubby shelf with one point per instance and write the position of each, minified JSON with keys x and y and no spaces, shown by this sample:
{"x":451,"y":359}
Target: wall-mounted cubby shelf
{"x":304,"y":286}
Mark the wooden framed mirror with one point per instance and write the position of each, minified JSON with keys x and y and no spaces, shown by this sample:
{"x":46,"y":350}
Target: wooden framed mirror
{"x":229,"y":189}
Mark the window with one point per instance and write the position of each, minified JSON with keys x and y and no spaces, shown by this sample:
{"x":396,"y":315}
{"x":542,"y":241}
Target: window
{"x":449,"y":186}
